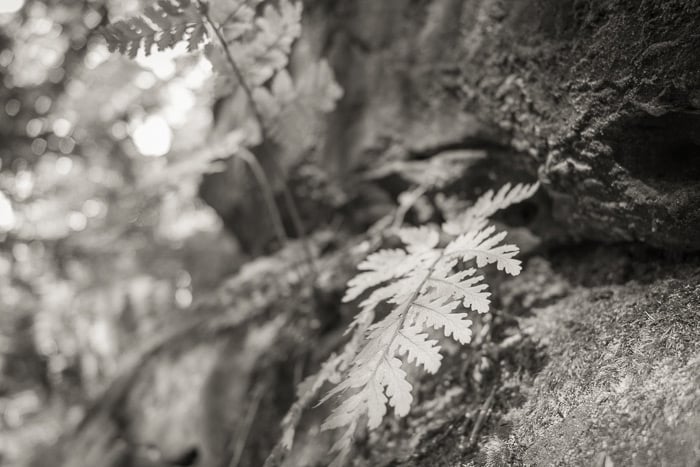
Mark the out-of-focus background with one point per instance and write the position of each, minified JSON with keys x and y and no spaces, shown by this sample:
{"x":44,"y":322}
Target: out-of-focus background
{"x":96,"y":250}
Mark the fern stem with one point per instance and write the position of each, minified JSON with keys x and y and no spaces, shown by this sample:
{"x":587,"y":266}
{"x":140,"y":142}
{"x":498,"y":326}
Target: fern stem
{"x":233,"y":13}
{"x":483,"y":414}
{"x":289,"y":200}
{"x":415,"y":294}
{"x":248,"y":157}
{"x":236,"y":70}
{"x":242,"y":439}
{"x":403,"y":209}
{"x":409,"y":302}
{"x":264,"y":182}
{"x":297,"y":222}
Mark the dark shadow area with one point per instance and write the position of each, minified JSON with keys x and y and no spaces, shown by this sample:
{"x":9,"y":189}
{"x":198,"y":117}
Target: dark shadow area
{"x":658,"y":149}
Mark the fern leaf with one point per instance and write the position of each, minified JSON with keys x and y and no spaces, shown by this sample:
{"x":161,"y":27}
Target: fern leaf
{"x":487,"y":205}
{"x":169,"y":8}
{"x":418,"y":348}
{"x":364,"y":317}
{"x":483,"y":246}
{"x":419,"y":239}
{"x":422,"y":284}
{"x":348,"y":412}
{"x":164,"y":24}
{"x":158,"y":17}
{"x":398,"y":389}
{"x":376,"y":402}
{"x":342,"y":446}
{"x":440,"y":315}
{"x":379,"y":267}
{"x":197,"y":36}
{"x":294,"y":110}
{"x":471,"y":292}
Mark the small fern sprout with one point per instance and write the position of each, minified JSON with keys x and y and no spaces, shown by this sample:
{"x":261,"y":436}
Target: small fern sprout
{"x":426,"y":286}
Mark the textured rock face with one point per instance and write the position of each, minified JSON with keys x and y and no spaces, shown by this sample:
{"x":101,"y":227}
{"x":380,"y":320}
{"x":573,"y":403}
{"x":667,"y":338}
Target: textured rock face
{"x":603,"y":97}
{"x":622,"y":377}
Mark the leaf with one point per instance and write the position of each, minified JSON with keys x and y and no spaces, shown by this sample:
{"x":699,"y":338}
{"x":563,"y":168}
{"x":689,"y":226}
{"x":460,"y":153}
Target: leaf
{"x":418,"y":348}
{"x":164,"y":24}
{"x":483,"y":246}
{"x":379,"y":267}
{"x":318,"y":88}
{"x":425,"y":290}
{"x":438,"y":315}
{"x":342,"y":446}
{"x":366,"y":316}
{"x":419,"y":239}
{"x":397,"y":388}
{"x":283,"y":87}
{"x":169,"y":8}
{"x":376,"y":403}
{"x":296,"y":118}
{"x":471,"y":292}
{"x":197,"y":37}
{"x":347,"y":412}
{"x":487,"y":205}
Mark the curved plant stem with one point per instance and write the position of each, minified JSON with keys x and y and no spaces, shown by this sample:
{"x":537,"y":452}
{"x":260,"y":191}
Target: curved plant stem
{"x":483,"y":414}
{"x":297,"y":222}
{"x":242,"y":439}
{"x":236,"y":69}
{"x":267,"y":193}
{"x":289,"y":200}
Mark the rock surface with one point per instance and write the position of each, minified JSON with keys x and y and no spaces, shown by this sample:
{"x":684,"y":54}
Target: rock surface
{"x":603,"y":96}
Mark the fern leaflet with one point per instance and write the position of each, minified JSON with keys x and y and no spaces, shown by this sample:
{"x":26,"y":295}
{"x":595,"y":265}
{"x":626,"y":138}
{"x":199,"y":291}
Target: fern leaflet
{"x":164,"y":24}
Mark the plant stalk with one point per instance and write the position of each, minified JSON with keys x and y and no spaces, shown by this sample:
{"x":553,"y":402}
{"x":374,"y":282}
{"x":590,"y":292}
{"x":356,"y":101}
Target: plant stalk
{"x":289,"y":200}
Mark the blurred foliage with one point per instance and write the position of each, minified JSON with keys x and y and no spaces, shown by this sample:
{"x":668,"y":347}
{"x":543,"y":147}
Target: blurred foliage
{"x":102,"y":236}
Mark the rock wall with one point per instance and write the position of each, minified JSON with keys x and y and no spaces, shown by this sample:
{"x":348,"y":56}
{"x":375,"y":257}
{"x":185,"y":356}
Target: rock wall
{"x":602,"y":96}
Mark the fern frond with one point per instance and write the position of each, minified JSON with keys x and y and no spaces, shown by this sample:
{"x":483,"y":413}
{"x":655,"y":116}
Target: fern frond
{"x":378,"y":268}
{"x":484,"y":246}
{"x":329,"y":372}
{"x":471,"y":291}
{"x":397,"y":388}
{"x":164,"y":24}
{"x":294,"y":110}
{"x":425,"y":291}
{"x":437,"y":314}
{"x":487,"y":205}
{"x":418,"y":348}
{"x":197,"y":37}
{"x":419,"y":239}
{"x":261,"y":44}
